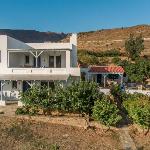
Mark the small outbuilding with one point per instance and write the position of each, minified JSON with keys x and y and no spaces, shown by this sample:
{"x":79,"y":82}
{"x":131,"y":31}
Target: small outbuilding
{"x":105,"y":75}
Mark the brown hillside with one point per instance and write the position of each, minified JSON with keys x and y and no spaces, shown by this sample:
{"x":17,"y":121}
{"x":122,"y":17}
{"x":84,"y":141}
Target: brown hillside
{"x":102,"y":40}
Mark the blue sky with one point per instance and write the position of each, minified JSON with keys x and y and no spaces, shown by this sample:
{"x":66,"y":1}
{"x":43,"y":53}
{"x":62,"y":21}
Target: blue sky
{"x":73,"y":15}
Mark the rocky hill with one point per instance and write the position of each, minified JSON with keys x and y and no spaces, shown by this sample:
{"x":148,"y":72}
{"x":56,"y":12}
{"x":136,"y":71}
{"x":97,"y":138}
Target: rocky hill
{"x":100,"y":40}
{"x":33,"y":36}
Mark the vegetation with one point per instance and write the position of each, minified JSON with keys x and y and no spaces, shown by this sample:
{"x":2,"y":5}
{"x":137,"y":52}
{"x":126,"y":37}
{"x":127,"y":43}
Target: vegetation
{"x":134,"y":46}
{"x":106,"y":112}
{"x":137,"y":71}
{"x":95,"y":58}
{"x":79,"y":97}
{"x":138,"y":108}
{"x":108,"y":53}
{"x":84,"y":98}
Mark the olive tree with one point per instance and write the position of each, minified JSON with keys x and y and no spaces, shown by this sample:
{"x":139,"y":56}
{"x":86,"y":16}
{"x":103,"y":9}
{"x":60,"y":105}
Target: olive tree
{"x":134,"y":46}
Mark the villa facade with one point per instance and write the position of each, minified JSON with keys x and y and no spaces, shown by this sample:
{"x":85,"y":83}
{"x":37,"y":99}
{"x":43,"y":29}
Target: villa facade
{"x":24,"y":64}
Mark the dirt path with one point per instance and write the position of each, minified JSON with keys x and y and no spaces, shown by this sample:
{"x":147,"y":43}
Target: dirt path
{"x":126,"y":140}
{"x":118,"y":138}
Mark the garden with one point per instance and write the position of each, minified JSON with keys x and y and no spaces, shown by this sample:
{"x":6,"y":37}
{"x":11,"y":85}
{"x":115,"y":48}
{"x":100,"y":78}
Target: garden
{"x":85,"y":100}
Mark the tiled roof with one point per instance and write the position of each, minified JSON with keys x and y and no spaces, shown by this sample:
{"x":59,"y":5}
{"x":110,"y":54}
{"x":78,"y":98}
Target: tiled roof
{"x":107,"y":69}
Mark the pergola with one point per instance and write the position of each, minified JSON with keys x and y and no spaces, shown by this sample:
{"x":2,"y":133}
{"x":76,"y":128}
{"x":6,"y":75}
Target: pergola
{"x":106,"y":70}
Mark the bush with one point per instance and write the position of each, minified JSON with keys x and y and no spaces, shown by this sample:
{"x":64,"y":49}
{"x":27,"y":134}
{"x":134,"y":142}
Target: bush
{"x":138,"y":108}
{"x":106,"y":112}
{"x":93,"y":57}
{"x":116,"y":60}
{"x":78,"y":97}
{"x":36,"y":98}
{"x":108,"y":53}
{"x":22,"y":111}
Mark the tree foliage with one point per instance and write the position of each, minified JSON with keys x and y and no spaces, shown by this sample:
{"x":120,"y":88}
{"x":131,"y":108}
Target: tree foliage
{"x":134,"y":46}
{"x":138,"y":71}
{"x":106,"y":112}
{"x":138,"y":108}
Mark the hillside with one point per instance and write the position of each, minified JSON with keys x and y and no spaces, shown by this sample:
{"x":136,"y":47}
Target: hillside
{"x":100,"y":40}
{"x":33,"y":36}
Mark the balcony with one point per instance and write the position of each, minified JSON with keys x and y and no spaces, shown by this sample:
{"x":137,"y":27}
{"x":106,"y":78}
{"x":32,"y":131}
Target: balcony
{"x":38,"y":73}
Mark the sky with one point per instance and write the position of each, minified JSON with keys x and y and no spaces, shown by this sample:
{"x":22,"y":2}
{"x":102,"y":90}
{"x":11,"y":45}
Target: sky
{"x":73,"y":15}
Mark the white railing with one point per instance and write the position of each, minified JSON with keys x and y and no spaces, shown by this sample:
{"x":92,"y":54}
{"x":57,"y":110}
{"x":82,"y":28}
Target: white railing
{"x":39,"y":70}
{"x":57,"y":71}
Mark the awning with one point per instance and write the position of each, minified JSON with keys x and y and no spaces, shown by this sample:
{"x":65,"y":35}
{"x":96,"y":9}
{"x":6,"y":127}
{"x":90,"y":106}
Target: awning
{"x":107,"y":69}
{"x":33,"y":77}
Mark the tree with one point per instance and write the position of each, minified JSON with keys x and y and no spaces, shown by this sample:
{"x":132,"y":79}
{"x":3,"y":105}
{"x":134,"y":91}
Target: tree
{"x":106,"y":112}
{"x":138,"y":71}
{"x":134,"y":46}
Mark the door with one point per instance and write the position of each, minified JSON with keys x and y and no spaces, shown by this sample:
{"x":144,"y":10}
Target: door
{"x":38,"y":62}
{"x":58,"y":61}
{"x":51,"y":85}
{"x":99,"y":78}
{"x":51,"y":61}
{"x":26,"y":86}
{"x":44,"y":84}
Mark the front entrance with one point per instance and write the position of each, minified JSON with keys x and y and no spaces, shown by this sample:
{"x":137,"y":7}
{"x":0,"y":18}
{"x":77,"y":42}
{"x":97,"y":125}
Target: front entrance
{"x":99,"y":78}
{"x":44,"y":84}
{"x":48,"y":84}
{"x":26,"y":86}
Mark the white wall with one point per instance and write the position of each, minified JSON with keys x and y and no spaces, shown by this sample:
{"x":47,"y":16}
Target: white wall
{"x":18,"y":59}
{"x":45,"y":58}
{"x":6,"y":43}
{"x":3,"y":49}
{"x":73,"y":41}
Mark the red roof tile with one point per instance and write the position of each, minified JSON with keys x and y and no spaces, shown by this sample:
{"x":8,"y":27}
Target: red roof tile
{"x":107,"y":69}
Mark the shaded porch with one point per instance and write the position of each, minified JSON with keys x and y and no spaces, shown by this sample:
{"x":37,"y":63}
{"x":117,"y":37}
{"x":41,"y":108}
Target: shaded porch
{"x":38,"y":58}
{"x":106,"y":75}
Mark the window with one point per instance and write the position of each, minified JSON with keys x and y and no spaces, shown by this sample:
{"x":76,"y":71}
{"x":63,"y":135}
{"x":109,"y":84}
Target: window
{"x":113,"y":76}
{"x":14,"y":84}
{"x":51,"y":61}
{"x":58,"y":61}
{"x":27,"y":59}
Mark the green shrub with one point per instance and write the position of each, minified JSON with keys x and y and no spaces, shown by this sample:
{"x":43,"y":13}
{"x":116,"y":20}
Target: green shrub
{"x":22,"y":111}
{"x":94,"y":57}
{"x":106,"y":112}
{"x":36,"y":98}
{"x":78,"y":97}
{"x":54,"y":147}
{"x":107,"y":53}
{"x":138,"y":108}
{"x":116,"y":60}
{"x":118,"y":94}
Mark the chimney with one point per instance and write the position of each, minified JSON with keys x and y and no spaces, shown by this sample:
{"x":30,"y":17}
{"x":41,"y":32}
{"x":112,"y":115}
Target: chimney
{"x":73,"y":39}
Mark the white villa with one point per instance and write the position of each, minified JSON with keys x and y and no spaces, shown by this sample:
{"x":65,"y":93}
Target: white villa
{"x":23,"y":64}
